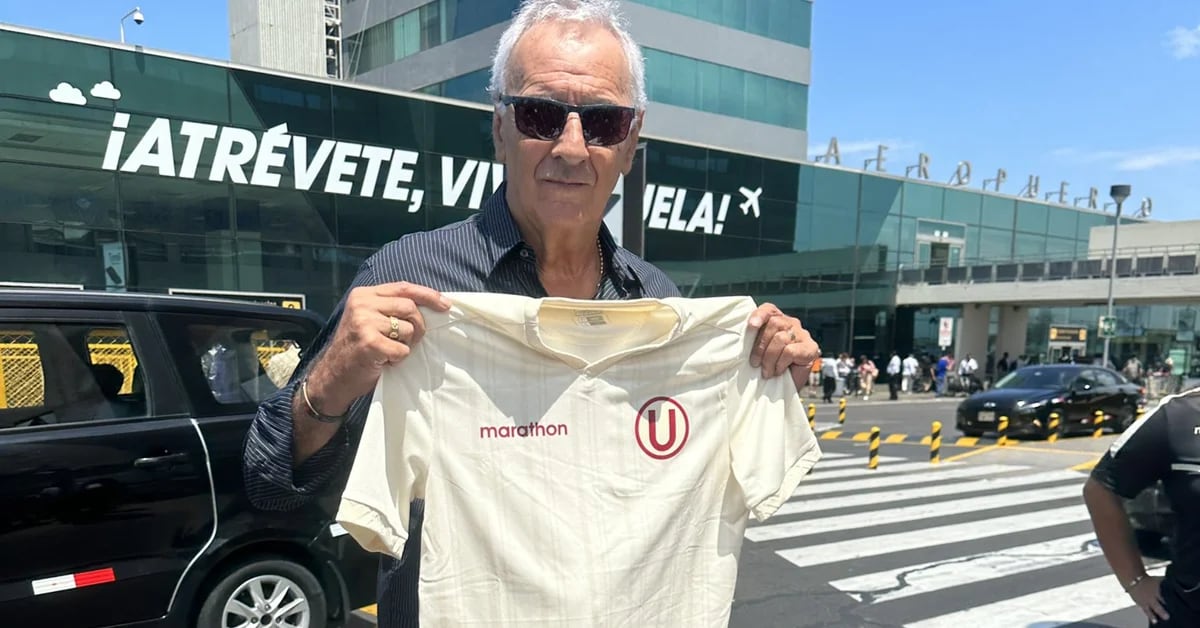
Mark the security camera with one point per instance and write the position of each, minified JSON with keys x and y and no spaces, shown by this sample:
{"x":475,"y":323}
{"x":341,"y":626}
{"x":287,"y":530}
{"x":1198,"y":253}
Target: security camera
{"x":138,"y":18}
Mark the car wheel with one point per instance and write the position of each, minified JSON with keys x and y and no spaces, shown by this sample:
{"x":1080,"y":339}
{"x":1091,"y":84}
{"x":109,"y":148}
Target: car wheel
{"x":272,"y":592}
{"x":1126,"y":421}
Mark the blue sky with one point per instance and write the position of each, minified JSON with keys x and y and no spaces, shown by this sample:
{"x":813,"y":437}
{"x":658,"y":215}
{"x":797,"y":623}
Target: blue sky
{"x":1092,"y":92}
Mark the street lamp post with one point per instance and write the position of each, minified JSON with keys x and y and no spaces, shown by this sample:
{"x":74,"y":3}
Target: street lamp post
{"x":137,"y":16}
{"x":1118,"y":193}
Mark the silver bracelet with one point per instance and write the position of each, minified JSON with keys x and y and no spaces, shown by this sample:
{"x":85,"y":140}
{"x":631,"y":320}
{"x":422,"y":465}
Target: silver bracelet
{"x":1135,"y":582}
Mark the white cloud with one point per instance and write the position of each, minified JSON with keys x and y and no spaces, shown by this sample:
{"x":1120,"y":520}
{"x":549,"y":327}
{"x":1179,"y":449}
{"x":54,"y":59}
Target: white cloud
{"x":1155,"y":158}
{"x":1184,"y":42}
{"x":105,"y":89}
{"x":1131,"y":160}
{"x":67,"y":93}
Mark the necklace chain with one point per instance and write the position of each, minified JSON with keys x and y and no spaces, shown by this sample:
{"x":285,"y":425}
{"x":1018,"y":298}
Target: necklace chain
{"x":600,"y":281}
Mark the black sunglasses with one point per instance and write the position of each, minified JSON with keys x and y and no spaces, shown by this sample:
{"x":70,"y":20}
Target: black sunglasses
{"x":545,"y":119}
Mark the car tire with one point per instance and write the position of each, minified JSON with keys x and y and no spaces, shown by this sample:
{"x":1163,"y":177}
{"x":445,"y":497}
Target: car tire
{"x":245,"y":582}
{"x":1126,"y":422}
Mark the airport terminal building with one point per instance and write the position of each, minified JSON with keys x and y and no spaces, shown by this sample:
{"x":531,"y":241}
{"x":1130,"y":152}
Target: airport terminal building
{"x":127,"y":169}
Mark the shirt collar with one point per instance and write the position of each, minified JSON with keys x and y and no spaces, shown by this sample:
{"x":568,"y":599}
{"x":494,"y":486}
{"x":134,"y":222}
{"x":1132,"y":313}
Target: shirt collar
{"x":503,"y":237}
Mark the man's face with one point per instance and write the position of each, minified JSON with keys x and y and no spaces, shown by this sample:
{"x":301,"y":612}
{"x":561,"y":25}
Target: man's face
{"x":564,"y":181}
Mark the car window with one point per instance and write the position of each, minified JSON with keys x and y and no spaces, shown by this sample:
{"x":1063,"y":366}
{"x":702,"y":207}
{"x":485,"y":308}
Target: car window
{"x":229,"y":365}
{"x":68,"y":372}
{"x":1086,"y":378}
{"x":1033,"y":377}
{"x":1105,"y":378}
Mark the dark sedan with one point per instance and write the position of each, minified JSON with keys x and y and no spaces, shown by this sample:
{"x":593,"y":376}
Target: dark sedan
{"x":1030,"y":394}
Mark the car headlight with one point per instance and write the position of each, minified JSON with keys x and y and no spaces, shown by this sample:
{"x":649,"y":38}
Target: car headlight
{"x":1023,"y":406}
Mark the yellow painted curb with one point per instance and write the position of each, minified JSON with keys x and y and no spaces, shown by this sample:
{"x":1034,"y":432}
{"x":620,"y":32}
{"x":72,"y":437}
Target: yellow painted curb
{"x":968,"y":454}
{"x":895,"y":438}
{"x":370,"y":610}
{"x":831,"y":435}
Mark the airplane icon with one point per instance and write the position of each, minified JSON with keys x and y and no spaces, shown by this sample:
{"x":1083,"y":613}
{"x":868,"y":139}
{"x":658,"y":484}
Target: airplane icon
{"x":751,"y":200}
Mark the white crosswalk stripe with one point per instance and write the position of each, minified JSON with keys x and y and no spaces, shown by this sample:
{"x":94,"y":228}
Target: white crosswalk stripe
{"x":908,"y":533}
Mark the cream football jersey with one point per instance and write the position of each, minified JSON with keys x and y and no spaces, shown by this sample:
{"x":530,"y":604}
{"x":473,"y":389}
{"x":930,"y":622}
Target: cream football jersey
{"x":583,"y":463}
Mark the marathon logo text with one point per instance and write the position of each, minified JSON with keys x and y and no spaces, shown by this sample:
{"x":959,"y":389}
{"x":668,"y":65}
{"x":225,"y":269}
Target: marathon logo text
{"x":523,"y":431}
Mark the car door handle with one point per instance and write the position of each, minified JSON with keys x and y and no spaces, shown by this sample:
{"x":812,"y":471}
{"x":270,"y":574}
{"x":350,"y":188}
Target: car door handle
{"x":155,"y":462}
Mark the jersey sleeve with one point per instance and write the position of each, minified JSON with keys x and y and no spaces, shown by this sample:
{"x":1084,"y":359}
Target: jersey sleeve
{"x":771,"y":445}
{"x":391,"y":466}
{"x":1138,"y":458}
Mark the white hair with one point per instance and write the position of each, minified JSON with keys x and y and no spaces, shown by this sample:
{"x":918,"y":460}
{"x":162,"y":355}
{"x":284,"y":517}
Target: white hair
{"x":604,"y":13}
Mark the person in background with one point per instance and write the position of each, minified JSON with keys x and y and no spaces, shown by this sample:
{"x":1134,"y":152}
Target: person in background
{"x":939,"y":374}
{"x":814,"y":376}
{"x":967,"y":368}
{"x":1133,"y":370}
{"x":1162,"y":447}
{"x":829,"y":377}
{"x":867,"y":372}
{"x":845,"y":367}
{"x":911,"y":368}
{"x":893,"y":372}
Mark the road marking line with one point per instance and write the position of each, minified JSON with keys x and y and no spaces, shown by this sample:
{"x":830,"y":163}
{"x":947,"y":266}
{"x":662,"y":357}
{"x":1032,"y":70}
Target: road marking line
{"x":856,"y":521}
{"x":884,"y":586}
{"x":817,"y":474}
{"x":1086,"y":466}
{"x":968,"y":454}
{"x":895,"y":438}
{"x":1045,"y":609}
{"x":967,"y":441}
{"x":1049,"y":450}
{"x":932,"y":474}
{"x":942,"y":490}
{"x":850,"y":462}
{"x":834,"y":455}
{"x":865,"y":547}
{"x":831,"y":435}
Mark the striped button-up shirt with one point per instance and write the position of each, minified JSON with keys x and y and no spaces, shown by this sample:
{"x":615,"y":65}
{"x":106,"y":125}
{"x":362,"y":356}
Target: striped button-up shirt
{"x":484,"y":253}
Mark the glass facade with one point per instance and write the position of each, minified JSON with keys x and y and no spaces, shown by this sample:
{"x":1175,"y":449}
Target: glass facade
{"x":783,"y":20}
{"x":122,"y":170}
{"x":420,"y":29}
{"x":471,"y":86}
{"x":686,"y":82}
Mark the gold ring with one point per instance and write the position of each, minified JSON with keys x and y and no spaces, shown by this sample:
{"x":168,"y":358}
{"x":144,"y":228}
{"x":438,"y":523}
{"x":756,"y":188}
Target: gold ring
{"x":394,"y":334}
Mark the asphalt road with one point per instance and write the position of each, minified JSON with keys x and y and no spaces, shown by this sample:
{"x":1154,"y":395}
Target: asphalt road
{"x":1000,"y":539}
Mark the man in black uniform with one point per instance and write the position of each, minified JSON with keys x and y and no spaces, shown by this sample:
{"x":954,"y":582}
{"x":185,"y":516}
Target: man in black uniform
{"x":1163,"y":446}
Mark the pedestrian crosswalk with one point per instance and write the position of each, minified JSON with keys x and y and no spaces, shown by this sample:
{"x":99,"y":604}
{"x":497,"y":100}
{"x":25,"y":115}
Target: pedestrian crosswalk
{"x":950,"y":545}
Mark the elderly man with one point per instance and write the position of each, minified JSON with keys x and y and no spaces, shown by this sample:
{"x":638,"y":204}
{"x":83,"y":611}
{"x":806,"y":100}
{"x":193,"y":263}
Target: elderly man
{"x":569,"y":98}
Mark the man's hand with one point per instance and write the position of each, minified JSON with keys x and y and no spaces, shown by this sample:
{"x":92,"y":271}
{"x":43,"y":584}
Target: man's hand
{"x":782,"y":344}
{"x":1148,"y":598}
{"x":378,"y":327}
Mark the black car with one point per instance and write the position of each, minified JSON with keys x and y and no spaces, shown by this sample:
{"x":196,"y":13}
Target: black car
{"x":1028,"y":395}
{"x":122,"y":421}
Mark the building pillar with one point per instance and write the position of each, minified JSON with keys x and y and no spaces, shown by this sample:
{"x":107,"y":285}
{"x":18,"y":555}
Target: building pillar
{"x":972,"y":333}
{"x":1013,"y":330}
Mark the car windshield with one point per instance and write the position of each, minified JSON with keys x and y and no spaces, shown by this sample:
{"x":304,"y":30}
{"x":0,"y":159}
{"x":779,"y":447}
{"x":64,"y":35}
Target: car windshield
{"x":1036,"y":378}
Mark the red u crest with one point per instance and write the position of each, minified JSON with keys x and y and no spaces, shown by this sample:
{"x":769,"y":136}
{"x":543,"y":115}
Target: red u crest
{"x":662,"y":428}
